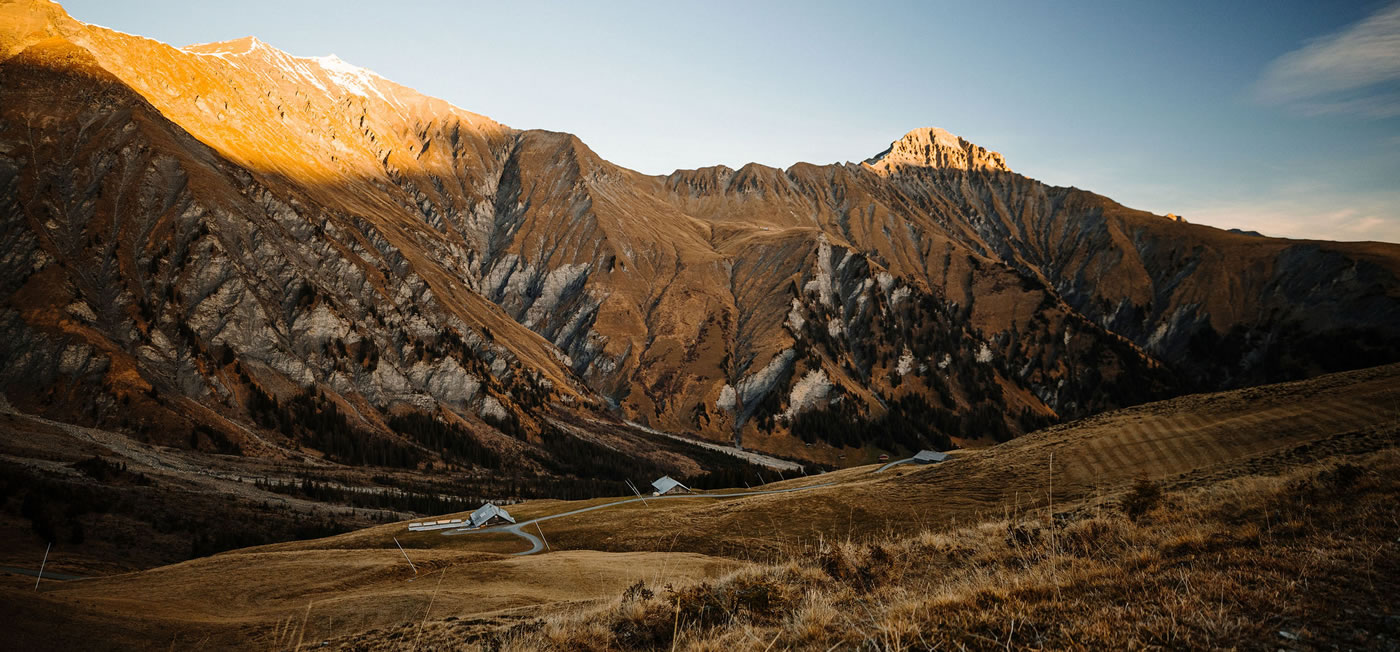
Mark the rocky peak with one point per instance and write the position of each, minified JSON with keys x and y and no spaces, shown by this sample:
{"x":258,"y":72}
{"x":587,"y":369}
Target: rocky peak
{"x":935,"y":148}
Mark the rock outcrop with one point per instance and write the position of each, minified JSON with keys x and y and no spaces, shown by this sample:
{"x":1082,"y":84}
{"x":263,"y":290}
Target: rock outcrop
{"x":932,"y":147}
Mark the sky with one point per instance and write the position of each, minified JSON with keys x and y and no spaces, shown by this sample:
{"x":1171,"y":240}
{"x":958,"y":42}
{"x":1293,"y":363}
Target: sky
{"x":1278,"y":116}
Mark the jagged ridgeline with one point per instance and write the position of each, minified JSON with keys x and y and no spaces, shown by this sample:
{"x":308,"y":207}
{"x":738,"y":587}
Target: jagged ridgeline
{"x":231,"y":248}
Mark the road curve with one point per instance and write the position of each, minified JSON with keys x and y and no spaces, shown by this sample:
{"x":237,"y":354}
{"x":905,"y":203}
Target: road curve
{"x":903,"y":461}
{"x":536,"y":545}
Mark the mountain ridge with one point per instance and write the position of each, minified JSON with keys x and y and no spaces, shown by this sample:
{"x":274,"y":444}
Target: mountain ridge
{"x":391,"y":252}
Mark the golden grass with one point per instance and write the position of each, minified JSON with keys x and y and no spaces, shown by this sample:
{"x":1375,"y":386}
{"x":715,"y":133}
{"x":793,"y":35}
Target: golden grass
{"x":1309,"y":559}
{"x":962,"y":554}
{"x":262,"y":600}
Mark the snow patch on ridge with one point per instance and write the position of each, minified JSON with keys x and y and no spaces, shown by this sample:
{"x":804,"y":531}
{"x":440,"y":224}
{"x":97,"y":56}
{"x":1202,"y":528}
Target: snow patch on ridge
{"x":312,"y":70}
{"x":253,"y":43}
{"x":355,"y":79}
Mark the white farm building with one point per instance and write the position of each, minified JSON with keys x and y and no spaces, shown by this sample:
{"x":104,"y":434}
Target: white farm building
{"x":666,"y":485}
{"x":490,"y":514}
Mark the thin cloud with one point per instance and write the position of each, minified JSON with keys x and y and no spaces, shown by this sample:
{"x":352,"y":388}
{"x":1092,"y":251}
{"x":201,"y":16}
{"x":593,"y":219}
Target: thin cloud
{"x":1382,"y":105}
{"x":1308,"y":213}
{"x":1352,"y":71}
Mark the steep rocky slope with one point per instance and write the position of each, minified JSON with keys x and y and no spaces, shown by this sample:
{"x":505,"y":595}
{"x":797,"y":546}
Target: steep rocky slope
{"x":227,"y":246}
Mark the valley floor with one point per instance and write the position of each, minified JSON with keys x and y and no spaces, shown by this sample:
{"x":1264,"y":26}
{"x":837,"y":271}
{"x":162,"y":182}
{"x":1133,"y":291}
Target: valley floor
{"x":1261,"y":518}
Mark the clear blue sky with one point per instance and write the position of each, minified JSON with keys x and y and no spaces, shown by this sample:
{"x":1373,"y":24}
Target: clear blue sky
{"x":1281,"y":116}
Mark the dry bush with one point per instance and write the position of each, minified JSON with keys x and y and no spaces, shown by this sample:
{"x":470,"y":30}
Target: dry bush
{"x":1099,"y":537}
{"x":1143,"y":498}
{"x":638,"y":591}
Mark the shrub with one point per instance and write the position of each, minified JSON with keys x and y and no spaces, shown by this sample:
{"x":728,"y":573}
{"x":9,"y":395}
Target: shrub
{"x":1143,"y":498}
{"x":638,"y":591}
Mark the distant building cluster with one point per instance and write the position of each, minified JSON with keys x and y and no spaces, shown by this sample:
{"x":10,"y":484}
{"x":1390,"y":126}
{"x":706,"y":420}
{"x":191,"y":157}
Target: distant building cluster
{"x":488,"y":514}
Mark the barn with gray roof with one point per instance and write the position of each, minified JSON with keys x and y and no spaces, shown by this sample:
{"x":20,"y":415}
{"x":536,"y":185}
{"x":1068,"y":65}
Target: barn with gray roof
{"x":929,"y":457}
{"x":666,"y":485}
{"x":490,"y":514}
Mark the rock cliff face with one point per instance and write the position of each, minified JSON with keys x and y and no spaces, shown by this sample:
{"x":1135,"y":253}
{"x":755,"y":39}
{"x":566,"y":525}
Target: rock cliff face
{"x":197,"y":238}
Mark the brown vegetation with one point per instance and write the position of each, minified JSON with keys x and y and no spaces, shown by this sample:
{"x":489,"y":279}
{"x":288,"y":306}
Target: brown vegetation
{"x":1287,"y":525}
{"x":1309,"y":559}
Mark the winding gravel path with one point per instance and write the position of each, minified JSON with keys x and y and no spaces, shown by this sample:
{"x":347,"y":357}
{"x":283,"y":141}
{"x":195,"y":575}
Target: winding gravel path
{"x":896,"y":462}
{"x":536,"y":545}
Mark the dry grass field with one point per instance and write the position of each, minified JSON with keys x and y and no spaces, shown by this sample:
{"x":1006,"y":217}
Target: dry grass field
{"x":1275,"y":528}
{"x":269,"y":600}
{"x":1178,"y":443}
{"x":1307,"y":560}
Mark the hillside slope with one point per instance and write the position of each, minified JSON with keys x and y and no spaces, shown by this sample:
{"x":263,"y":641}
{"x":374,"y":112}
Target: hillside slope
{"x":1178,"y":443}
{"x":977,"y":535}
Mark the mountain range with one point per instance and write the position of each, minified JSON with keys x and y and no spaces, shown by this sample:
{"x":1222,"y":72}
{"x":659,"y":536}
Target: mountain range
{"x":228,"y":248}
